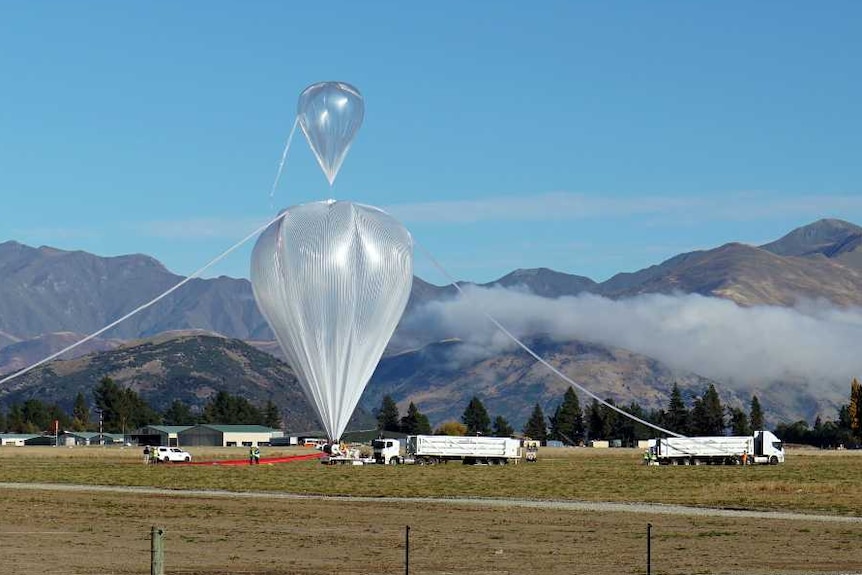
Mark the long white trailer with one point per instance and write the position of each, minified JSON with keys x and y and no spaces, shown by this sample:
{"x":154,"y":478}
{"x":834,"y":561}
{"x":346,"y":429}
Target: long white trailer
{"x":763,"y":447}
{"x":469,"y":449}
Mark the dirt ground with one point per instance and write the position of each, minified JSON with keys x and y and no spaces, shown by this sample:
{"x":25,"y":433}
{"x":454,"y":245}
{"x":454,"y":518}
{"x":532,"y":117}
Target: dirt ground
{"x":48,"y":532}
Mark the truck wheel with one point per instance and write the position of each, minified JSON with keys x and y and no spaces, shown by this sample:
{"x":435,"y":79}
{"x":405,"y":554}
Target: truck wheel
{"x":773,"y":460}
{"x":394,"y":461}
{"x":188,"y":458}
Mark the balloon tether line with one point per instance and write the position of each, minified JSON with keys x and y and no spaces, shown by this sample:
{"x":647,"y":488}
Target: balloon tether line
{"x":535,"y":355}
{"x":281,"y":163}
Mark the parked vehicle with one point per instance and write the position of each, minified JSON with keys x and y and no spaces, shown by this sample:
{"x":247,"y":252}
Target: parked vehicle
{"x":171,"y":454}
{"x":387,"y":451}
{"x":763,"y":447}
{"x":468,"y":449}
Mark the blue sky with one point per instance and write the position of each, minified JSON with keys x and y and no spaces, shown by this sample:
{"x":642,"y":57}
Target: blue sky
{"x":591,"y":138}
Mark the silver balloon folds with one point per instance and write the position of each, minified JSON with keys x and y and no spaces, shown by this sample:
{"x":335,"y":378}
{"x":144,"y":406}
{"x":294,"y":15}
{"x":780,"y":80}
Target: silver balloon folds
{"x":332,"y":280}
{"x":330,"y":114}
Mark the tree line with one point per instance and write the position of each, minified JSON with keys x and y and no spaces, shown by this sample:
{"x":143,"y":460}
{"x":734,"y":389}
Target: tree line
{"x":573,"y":425}
{"x":845,"y":431}
{"x":703,"y":415}
{"x":122,"y":409}
{"x":474,"y":421}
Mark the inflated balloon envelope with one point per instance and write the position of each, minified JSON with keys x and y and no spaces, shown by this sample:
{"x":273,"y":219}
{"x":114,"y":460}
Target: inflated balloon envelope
{"x":332,"y":280}
{"x":330,"y":114}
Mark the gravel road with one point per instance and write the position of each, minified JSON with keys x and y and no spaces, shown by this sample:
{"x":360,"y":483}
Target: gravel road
{"x":647,"y":508}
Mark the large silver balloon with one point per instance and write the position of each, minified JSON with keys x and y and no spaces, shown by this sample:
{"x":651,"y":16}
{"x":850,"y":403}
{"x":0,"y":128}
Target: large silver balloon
{"x":332,"y":280}
{"x":330,"y":114}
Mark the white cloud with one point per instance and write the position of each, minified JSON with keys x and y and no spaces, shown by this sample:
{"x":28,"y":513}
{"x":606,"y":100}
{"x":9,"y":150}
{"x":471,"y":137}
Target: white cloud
{"x":742,"y":347}
{"x":574,"y":206}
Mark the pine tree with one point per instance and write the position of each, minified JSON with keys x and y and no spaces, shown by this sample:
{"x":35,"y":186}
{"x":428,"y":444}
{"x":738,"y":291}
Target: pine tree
{"x":415,"y":422}
{"x":476,"y":418}
{"x":81,"y":411}
{"x":502,"y":427}
{"x":697,"y":418}
{"x":738,"y":421}
{"x":122,"y":408}
{"x":854,"y":409}
{"x":628,"y":429}
{"x":567,"y":423}
{"x":271,"y":415}
{"x":227,"y":409}
{"x":388,"y":418}
{"x":595,"y":421}
{"x":755,"y":414}
{"x":714,"y":411}
{"x":610,"y":420}
{"x":677,"y":416}
{"x":707,"y":416}
{"x":36,"y":415}
{"x":15,"y":419}
{"x":536,"y":427}
{"x":178,"y":413}
{"x":58,"y":414}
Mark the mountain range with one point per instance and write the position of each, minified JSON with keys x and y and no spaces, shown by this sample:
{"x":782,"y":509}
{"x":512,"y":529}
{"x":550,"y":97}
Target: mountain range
{"x":48,"y":297}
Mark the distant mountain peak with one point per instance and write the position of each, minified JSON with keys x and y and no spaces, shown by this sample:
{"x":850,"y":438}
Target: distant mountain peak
{"x":546,"y":282}
{"x":818,"y":237}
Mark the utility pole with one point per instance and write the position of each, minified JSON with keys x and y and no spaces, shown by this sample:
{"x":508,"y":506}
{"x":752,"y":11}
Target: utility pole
{"x":101,"y":435}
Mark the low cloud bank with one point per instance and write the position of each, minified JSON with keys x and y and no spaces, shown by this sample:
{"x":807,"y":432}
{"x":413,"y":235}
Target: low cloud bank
{"x":814,"y":343}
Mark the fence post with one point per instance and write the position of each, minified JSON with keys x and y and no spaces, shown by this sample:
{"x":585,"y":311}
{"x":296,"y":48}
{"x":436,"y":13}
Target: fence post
{"x":648,"y":548}
{"x":407,"y":551}
{"x":157,"y":551}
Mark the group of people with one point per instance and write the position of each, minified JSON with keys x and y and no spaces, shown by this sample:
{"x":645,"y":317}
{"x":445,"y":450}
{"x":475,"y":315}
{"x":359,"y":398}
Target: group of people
{"x":650,"y":457}
{"x":150,"y":455}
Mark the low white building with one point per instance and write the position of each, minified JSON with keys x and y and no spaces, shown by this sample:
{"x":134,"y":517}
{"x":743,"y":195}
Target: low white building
{"x":16,"y":439}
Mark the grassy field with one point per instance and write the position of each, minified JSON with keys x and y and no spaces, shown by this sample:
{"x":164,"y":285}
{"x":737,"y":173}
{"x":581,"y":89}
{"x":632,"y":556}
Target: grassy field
{"x":810,"y":481}
{"x":98,"y":533}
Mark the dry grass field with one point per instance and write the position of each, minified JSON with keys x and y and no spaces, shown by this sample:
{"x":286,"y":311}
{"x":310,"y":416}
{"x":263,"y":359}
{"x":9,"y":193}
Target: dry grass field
{"x":55,"y":532}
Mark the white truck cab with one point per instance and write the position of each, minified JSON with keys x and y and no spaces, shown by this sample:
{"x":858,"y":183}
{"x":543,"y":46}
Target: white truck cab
{"x":387,"y":451}
{"x":768,"y":448}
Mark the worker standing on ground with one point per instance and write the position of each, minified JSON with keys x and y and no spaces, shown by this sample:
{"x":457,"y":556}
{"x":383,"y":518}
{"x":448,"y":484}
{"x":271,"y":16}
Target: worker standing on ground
{"x":745,"y":457}
{"x":146,"y":455}
{"x":255,"y":454}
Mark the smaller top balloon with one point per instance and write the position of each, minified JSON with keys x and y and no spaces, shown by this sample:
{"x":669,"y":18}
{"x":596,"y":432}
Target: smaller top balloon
{"x":330,"y":114}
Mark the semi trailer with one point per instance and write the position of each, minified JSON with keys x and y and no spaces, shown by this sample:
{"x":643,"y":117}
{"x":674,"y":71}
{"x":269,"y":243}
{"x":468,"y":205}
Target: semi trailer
{"x":426,"y":449}
{"x":762,"y":447}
